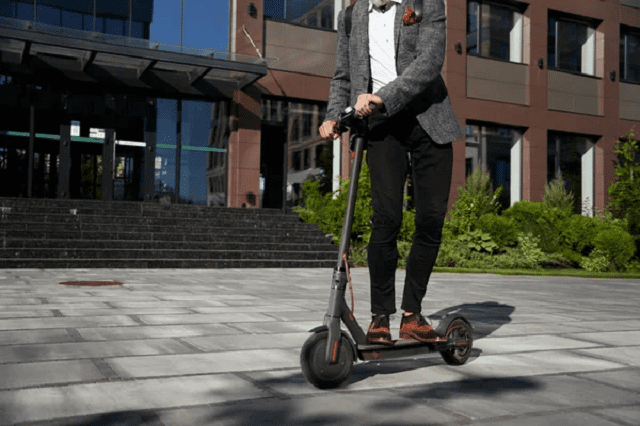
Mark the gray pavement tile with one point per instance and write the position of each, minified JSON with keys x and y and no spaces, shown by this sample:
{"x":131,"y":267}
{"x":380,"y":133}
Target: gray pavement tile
{"x":208,"y":295}
{"x":610,"y":326}
{"x":537,"y":328}
{"x":230,"y":361}
{"x":34,"y":336}
{"x":153,"y":332}
{"x":259,"y":308}
{"x":564,"y":419}
{"x":59,"y":351}
{"x":49,"y":306}
{"x":614,"y":338}
{"x":371,"y":408}
{"x":625,"y":379}
{"x":626,"y":415}
{"x":627,"y":355}
{"x":277,"y":327}
{"x":128,"y":311}
{"x":166,"y":304}
{"x":47,"y":373}
{"x":13,"y":301}
{"x":39,"y":404}
{"x":26,"y":314}
{"x":534,"y":364}
{"x":44,"y":323}
{"x":501,"y":345}
{"x":249,"y":341}
{"x":366,"y":376}
{"x":230,"y":317}
{"x":479,"y":399}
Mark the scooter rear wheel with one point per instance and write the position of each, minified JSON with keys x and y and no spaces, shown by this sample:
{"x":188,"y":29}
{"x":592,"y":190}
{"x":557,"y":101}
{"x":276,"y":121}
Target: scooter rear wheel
{"x":458,"y":331}
{"x":317,"y":370}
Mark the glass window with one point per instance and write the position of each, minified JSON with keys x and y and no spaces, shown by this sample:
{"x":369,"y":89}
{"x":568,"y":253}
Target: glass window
{"x":114,"y":26}
{"x":310,"y":13}
{"x":196,"y":134}
{"x":166,"y":140}
{"x":571,"y":45}
{"x":72,"y":20}
{"x":48,"y":15}
{"x":7,"y":9}
{"x":496,"y":150}
{"x":494,"y":31}
{"x":24,"y":11}
{"x":630,"y":55}
{"x":202,"y":23}
{"x":572,"y":157}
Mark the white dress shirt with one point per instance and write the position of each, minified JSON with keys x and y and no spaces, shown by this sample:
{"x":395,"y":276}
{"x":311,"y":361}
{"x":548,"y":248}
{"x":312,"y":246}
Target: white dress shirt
{"x":382,"y":52}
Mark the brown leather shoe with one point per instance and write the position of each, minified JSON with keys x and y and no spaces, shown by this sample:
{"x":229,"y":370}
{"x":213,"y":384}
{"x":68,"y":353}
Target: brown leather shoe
{"x":379,"y":333}
{"x":416,"y":327}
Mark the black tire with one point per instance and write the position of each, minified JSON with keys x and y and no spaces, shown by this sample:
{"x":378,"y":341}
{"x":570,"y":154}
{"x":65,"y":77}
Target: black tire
{"x":458,"y":330}
{"x":316,"y":369}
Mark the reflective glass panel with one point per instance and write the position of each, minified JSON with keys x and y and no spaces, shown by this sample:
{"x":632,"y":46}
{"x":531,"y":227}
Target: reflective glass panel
{"x":203,"y":24}
{"x":48,"y":15}
{"x":166,"y":139}
{"x":497,"y":24}
{"x":165,"y":26}
{"x":310,"y":13}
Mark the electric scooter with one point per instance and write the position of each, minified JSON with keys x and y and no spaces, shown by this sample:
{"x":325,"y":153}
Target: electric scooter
{"x":328,"y":355}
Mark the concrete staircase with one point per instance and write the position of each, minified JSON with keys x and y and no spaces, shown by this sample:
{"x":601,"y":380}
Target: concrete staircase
{"x":43,"y":233}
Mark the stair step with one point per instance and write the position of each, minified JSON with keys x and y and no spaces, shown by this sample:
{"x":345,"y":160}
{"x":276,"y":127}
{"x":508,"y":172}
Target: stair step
{"x":162,"y":263}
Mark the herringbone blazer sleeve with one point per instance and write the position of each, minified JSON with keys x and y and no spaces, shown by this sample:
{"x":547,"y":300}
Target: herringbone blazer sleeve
{"x":341,"y":82}
{"x":427,"y":62}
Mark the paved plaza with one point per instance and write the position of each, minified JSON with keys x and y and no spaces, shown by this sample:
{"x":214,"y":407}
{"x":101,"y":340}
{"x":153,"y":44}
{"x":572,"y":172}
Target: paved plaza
{"x":222,"y":347}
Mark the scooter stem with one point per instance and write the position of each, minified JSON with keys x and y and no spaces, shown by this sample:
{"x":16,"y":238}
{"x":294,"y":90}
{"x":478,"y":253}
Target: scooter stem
{"x":339,"y":285}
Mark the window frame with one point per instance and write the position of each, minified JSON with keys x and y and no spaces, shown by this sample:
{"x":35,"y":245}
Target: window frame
{"x":590,"y":23}
{"x":624,"y":32}
{"x":515,"y":7}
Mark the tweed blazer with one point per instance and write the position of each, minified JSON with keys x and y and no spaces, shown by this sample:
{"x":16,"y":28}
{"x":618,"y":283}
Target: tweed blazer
{"x":419,"y":88}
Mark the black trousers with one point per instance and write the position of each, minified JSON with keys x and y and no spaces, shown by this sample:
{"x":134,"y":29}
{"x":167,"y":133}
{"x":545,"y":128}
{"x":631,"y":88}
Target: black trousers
{"x":390,"y":142}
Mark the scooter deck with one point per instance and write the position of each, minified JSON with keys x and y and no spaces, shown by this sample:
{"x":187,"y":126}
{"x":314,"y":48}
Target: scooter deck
{"x":403,"y":348}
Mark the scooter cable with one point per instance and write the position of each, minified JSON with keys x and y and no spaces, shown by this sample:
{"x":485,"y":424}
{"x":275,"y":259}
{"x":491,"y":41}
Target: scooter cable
{"x":345,"y":258}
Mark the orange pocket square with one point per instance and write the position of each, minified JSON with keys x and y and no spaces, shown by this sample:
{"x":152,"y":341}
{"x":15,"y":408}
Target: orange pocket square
{"x":409,"y":17}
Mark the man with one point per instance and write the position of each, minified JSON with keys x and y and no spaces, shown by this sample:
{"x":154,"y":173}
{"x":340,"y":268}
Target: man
{"x":394,"y":62}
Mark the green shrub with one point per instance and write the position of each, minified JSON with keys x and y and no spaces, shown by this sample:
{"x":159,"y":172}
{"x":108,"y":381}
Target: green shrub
{"x":596,"y":262}
{"x":477,"y":198}
{"x":617,"y":245}
{"x":555,"y":195}
{"x":577,"y":233}
{"x":500,"y":228}
{"x":625,"y":191}
{"x":543,"y":223}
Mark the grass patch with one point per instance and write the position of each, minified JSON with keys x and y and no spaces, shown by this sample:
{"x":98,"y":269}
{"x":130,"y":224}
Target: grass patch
{"x":577,"y":273}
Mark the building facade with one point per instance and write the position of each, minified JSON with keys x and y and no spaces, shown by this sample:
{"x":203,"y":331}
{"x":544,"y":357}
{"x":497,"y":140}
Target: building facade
{"x":103,"y":99}
{"x":542,"y":89}
{"x":92,"y":107}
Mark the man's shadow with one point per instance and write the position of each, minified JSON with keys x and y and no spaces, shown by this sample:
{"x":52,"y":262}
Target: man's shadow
{"x":485,"y":318}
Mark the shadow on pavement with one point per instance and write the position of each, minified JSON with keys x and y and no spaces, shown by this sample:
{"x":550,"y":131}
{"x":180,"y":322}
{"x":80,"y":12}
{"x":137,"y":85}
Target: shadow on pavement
{"x":485,"y":317}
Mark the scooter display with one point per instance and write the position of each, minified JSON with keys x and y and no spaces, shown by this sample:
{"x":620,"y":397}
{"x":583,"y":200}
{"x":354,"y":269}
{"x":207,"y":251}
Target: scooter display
{"x":328,"y":355}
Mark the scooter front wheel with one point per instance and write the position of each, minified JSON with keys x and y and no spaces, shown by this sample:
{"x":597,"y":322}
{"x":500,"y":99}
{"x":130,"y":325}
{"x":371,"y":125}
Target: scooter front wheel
{"x":317,"y":370}
{"x":460,"y":334}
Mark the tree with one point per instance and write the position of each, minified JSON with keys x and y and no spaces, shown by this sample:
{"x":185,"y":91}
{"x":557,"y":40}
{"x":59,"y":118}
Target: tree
{"x":625,"y":191}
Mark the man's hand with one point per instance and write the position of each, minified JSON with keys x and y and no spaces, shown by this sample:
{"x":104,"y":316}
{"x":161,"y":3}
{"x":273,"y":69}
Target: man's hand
{"x":362,"y":106}
{"x":328,"y":130}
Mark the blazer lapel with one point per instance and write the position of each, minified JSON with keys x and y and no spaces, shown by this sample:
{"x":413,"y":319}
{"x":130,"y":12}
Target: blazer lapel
{"x":360,"y":32}
{"x":398,"y":21}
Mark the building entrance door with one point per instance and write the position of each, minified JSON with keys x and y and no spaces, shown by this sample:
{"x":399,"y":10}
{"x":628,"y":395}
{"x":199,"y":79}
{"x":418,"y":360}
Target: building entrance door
{"x":273,"y":170}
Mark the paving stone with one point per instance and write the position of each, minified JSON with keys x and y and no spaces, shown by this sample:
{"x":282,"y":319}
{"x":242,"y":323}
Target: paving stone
{"x":491,"y":346}
{"x":627,"y":355}
{"x":59,"y":351}
{"x":537,"y":328}
{"x":205,"y":318}
{"x":249,"y":341}
{"x":564,"y":419}
{"x":624,"y":378}
{"x":231,"y":361}
{"x":30,"y":405}
{"x":34,"y":336}
{"x":267,"y":309}
{"x":627,"y":415}
{"x":611,"y":326}
{"x":277,"y":326}
{"x":26,"y":314}
{"x":373,"y":408}
{"x":479,"y":399}
{"x":42,"y":323}
{"x":129,"y":311}
{"x":46,"y":373}
{"x":154,"y":332}
{"x":614,"y":338}
{"x":166,"y":304}
{"x":535,"y":363}
{"x":50,"y":306}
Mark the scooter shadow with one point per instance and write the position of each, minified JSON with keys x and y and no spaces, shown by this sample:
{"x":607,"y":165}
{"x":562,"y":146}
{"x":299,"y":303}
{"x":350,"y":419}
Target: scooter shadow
{"x":485,"y":318}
